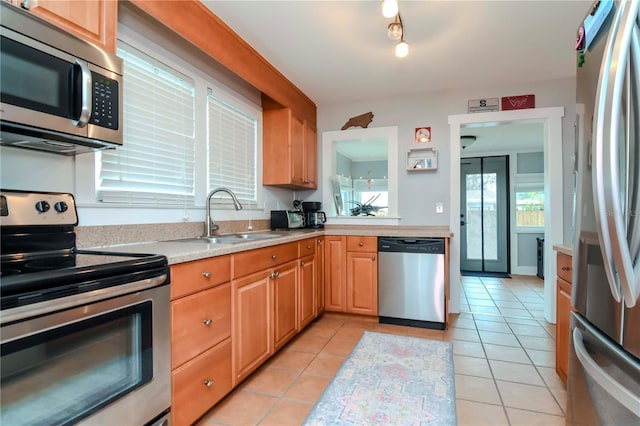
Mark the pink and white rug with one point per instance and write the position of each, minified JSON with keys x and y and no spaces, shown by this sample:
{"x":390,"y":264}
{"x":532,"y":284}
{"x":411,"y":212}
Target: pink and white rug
{"x":391,"y":380}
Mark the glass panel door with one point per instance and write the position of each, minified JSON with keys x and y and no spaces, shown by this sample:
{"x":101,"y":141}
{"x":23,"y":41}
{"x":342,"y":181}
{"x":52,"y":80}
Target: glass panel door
{"x":484,"y":218}
{"x":67,"y":372}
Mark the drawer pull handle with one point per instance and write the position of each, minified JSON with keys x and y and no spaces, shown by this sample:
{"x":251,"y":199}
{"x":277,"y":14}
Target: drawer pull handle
{"x":301,"y":263}
{"x":309,"y":246}
{"x":274,"y":257}
{"x":208,"y":383}
{"x":206,"y":274}
{"x":207,"y":322}
{"x":565,"y":268}
{"x":360,"y":244}
{"x":373,"y":258}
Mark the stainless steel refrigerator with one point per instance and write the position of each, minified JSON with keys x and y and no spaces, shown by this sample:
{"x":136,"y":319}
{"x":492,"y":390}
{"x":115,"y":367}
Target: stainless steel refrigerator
{"x":604,"y":362}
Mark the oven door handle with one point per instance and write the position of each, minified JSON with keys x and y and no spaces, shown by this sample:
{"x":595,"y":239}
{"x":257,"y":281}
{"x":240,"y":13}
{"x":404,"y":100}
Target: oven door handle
{"x":620,"y":393}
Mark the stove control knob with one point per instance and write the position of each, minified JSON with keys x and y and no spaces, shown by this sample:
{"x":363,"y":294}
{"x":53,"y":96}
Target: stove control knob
{"x":61,"y":206}
{"x":42,"y":206}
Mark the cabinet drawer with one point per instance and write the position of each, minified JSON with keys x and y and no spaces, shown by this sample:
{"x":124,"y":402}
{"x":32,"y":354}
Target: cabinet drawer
{"x":264,"y":258}
{"x":190,"y":277}
{"x":306,"y":247}
{"x":363,"y":244}
{"x":198,"y":322}
{"x":564,"y":267}
{"x":200,"y":383}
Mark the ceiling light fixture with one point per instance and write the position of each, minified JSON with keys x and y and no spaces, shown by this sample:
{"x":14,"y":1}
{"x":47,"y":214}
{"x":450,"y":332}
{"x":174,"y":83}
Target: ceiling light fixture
{"x":389,"y":8}
{"x":394,"y":30}
{"x":402,"y":49}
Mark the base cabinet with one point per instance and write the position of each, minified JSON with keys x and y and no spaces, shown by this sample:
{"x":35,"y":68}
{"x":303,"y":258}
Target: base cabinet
{"x":362,"y":283}
{"x":197,"y":385}
{"x":285,"y":303}
{"x":319,"y":276}
{"x":335,"y":271}
{"x":252,"y":325}
{"x":351,"y":274}
{"x":307,"y":282}
{"x":563,"y":315}
{"x":200,"y":337}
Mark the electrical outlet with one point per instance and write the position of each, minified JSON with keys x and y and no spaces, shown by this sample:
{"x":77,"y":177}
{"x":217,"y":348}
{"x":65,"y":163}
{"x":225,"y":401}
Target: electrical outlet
{"x":439,"y":207}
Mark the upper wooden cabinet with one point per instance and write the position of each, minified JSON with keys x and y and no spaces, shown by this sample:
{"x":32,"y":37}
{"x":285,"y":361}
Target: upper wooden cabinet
{"x":94,"y":21}
{"x":289,"y":150}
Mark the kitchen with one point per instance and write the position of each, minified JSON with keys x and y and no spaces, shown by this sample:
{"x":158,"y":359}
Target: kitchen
{"x":405,"y":112}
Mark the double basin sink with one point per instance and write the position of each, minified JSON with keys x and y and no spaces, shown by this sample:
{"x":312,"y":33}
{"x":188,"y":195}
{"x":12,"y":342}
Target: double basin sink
{"x":232,"y":238}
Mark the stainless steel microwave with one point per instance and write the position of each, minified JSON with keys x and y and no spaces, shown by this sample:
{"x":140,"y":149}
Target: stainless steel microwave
{"x":58,"y":93}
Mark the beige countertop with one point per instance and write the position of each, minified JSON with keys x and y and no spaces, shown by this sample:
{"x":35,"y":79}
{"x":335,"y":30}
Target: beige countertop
{"x":561,"y":248}
{"x":178,"y":251}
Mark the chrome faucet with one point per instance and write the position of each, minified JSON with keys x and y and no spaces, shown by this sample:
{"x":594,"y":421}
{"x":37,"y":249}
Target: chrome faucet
{"x":211,"y":226}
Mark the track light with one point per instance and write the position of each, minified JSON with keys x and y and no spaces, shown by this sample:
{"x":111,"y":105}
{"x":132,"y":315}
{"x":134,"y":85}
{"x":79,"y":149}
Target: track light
{"x":389,"y":8}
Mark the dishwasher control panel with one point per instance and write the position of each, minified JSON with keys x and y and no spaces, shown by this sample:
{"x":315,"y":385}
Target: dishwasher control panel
{"x":411,"y":245}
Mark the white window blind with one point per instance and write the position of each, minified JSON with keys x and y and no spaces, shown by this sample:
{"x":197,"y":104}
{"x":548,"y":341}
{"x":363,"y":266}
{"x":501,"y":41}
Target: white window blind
{"x":232,"y":144}
{"x":156,"y":163}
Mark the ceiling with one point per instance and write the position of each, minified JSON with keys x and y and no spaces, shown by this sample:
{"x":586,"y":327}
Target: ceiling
{"x":338,"y":52}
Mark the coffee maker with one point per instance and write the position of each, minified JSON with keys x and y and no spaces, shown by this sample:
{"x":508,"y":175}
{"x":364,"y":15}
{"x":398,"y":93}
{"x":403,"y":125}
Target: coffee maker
{"x":314,"y":217}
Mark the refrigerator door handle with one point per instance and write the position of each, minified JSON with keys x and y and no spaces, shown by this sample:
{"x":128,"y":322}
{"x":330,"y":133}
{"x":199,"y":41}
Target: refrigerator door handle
{"x":620,"y":393}
{"x":610,"y":218}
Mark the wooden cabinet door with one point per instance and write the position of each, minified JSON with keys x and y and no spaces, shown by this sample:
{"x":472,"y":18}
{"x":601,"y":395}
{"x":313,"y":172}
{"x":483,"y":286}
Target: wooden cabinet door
{"x":362,"y":283}
{"x":319,"y":276}
{"x":310,"y":157}
{"x":297,"y":152}
{"x":285,"y":306}
{"x":94,"y":21}
{"x":335,"y":274}
{"x":307,"y":293}
{"x":563,"y":313}
{"x":252,"y":332}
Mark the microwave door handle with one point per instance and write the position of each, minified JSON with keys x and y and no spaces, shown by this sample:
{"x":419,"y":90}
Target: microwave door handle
{"x":602,"y":129}
{"x":85,"y":95}
{"x":614,"y":388}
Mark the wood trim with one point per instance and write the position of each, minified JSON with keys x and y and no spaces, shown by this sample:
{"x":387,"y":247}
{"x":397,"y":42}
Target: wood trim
{"x":193,"y":21}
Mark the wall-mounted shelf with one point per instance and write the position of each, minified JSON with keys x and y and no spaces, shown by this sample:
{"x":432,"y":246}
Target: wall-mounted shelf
{"x":422,"y":159}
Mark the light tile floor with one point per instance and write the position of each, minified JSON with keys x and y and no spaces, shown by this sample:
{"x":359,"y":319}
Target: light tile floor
{"x":503,"y":359}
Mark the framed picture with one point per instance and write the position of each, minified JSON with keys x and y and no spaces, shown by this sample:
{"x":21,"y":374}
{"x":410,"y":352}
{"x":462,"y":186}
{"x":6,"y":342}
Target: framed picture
{"x":423,"y":134}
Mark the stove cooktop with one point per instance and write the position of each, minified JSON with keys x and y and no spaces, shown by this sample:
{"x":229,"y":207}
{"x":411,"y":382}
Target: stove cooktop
{"x":36,"y":278}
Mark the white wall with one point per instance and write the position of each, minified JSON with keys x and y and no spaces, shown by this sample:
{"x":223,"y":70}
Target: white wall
{"x":433,"y":109}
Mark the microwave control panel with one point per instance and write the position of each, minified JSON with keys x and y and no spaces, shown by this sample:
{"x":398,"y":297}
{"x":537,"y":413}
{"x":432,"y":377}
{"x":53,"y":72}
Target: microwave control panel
{"x":105,"y":102}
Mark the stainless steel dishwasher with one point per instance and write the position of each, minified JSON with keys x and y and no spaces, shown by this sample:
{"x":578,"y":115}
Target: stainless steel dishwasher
{"x":411,"y":278}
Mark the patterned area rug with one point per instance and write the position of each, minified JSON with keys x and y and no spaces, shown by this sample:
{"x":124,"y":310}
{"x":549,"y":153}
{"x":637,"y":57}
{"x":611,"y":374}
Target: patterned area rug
{"x":391,"y":380}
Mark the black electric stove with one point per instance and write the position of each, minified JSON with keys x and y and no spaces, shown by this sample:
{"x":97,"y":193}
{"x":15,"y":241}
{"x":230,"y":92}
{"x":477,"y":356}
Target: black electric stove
{"x":39,"y":261}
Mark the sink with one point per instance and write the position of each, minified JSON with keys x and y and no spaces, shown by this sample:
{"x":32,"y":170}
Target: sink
{"x":230,"y":238}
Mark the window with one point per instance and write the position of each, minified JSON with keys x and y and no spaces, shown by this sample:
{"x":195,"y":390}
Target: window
{"x":156,"y":163}
{"x":529,"y":200}
{"x":530,"y":208}
{"x":232,"y":149}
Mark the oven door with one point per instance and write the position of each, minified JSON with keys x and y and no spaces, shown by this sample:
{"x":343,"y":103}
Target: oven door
{"x":103,"y":363}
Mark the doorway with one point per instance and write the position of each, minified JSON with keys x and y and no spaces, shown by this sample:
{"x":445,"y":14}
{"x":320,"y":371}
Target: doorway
{"x":484,"y":216}
{"x":553,"y":185}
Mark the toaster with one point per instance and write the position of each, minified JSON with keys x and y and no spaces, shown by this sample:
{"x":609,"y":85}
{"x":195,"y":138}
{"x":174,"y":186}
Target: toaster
{"x":286,"y":219}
